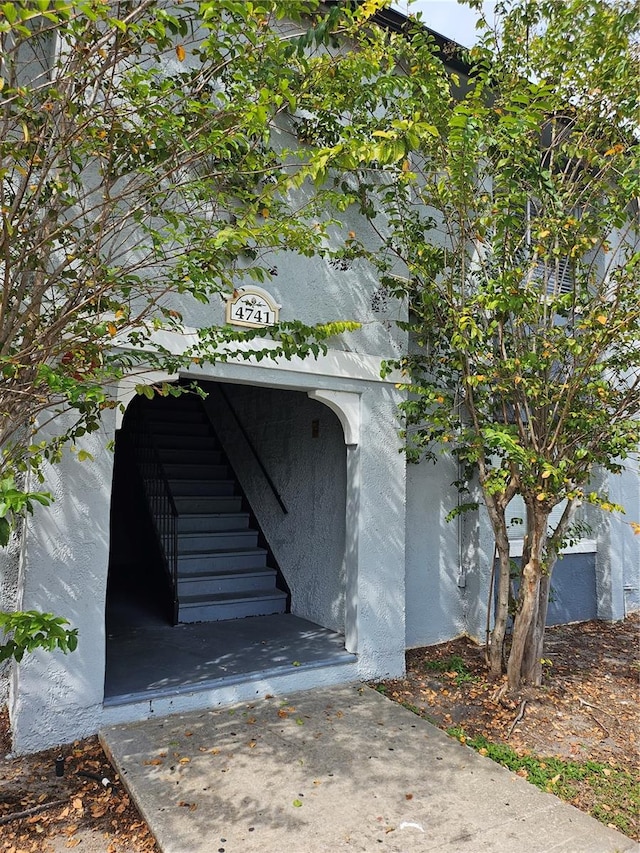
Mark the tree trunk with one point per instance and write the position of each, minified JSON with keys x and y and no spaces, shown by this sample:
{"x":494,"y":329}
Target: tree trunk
{"x":496,"y":653}
{"x":534,"y":653}
{"x":528,"y":596}
{"x":532,"y":663}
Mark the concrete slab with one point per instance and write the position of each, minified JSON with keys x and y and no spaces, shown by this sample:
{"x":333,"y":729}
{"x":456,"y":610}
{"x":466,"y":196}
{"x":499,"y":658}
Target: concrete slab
{"x":149,"y":659}
{"x":334,"y":769}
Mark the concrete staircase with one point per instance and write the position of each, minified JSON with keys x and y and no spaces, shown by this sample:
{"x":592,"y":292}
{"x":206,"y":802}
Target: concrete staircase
{"x":222,"y":571}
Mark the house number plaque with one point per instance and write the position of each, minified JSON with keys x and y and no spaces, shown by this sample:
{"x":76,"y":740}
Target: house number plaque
{"x":252,"y":307}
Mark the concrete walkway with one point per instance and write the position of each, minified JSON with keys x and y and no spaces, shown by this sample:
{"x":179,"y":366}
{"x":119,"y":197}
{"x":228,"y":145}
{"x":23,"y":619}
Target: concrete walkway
{"x":334,"y":769}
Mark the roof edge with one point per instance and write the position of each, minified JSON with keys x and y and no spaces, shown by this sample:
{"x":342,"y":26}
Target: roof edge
{"x":390,"y":19}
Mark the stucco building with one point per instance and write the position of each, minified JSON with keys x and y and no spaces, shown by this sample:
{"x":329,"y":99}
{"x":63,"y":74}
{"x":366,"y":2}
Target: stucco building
{"x":292,"y":525}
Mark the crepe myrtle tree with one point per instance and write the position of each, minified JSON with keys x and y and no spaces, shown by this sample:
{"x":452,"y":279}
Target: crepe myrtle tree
{"x":506,"y":203}
{"x":138,"y":169}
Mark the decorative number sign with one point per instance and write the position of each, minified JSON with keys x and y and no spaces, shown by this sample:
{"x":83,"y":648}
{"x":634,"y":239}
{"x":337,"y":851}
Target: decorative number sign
{"x":252,"y":307}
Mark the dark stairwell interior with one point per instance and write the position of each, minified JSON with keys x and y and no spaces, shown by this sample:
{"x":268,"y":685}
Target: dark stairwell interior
{"x":183,"y":533}
{"x":179,"y":586}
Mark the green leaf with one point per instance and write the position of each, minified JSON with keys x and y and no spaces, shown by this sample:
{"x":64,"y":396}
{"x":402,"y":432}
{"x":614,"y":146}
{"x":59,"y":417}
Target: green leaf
{"x":5,"y":532}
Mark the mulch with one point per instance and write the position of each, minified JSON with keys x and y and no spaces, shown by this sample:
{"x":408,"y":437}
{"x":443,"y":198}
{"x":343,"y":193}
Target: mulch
{"x":87,"y":805}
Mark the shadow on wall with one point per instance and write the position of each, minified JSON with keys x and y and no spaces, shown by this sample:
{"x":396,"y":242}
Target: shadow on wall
{"x":300,"y":444}
{"x":333,"y":289}
{"x":66,"y":560}
{"x":435,"y":601}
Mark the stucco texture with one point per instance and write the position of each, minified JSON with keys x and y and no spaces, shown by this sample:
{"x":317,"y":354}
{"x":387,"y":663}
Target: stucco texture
{"x":57,"y":698}
{"x":301,"y":445}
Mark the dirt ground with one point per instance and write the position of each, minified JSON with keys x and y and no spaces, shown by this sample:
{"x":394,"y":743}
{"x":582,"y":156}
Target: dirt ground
{"x":586,"y":711}
{"x":56,"y":814}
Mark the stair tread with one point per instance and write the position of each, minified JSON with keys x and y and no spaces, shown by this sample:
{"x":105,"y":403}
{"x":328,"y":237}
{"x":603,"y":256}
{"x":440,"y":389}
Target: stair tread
{"x":218,"y":498}
{"x":172,"y":479}
{"x":244,"y":571}
{"x":220,"y":597}
{"x":216,"y":515}
{"x":194,"y":534}
{"x":235,"y":551}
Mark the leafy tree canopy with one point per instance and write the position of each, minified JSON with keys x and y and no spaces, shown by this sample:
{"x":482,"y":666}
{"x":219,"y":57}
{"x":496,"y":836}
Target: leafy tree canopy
{"x":506,"y":205}
{"x":141,"y":159}
{"x":145,"y":163}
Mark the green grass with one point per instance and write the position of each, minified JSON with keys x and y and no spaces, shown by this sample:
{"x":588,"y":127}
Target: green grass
{"x":454,"y":663}
{"x":615,"y":792}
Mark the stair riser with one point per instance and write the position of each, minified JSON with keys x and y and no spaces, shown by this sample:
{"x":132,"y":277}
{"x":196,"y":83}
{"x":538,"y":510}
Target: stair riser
{"x":208,"y":523}
{"x":226,"y":584}
{"x":193,"y":542}
{"x":188,"y":564}
{"x":184,"y":456}
{"x":194,"y":488}
{"x":206,"y":504}
{"x":230,"y":610}
{"x":181,"y":471}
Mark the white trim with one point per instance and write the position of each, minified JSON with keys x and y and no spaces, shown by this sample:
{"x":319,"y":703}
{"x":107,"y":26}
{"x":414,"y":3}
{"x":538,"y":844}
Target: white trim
{"x":335,"y":363}
{"x":346,"y":406}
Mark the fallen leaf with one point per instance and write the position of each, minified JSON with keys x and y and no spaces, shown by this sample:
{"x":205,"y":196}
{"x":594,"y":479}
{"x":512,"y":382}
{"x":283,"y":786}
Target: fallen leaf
{"x":98,"y":810}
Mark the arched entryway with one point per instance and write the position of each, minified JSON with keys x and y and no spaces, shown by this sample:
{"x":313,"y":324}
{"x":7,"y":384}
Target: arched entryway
{"x":281,"y":463}
{"x":66,"y":559}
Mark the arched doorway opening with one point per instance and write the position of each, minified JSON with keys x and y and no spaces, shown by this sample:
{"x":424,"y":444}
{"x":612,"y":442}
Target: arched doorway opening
{"x":285,"y":477}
